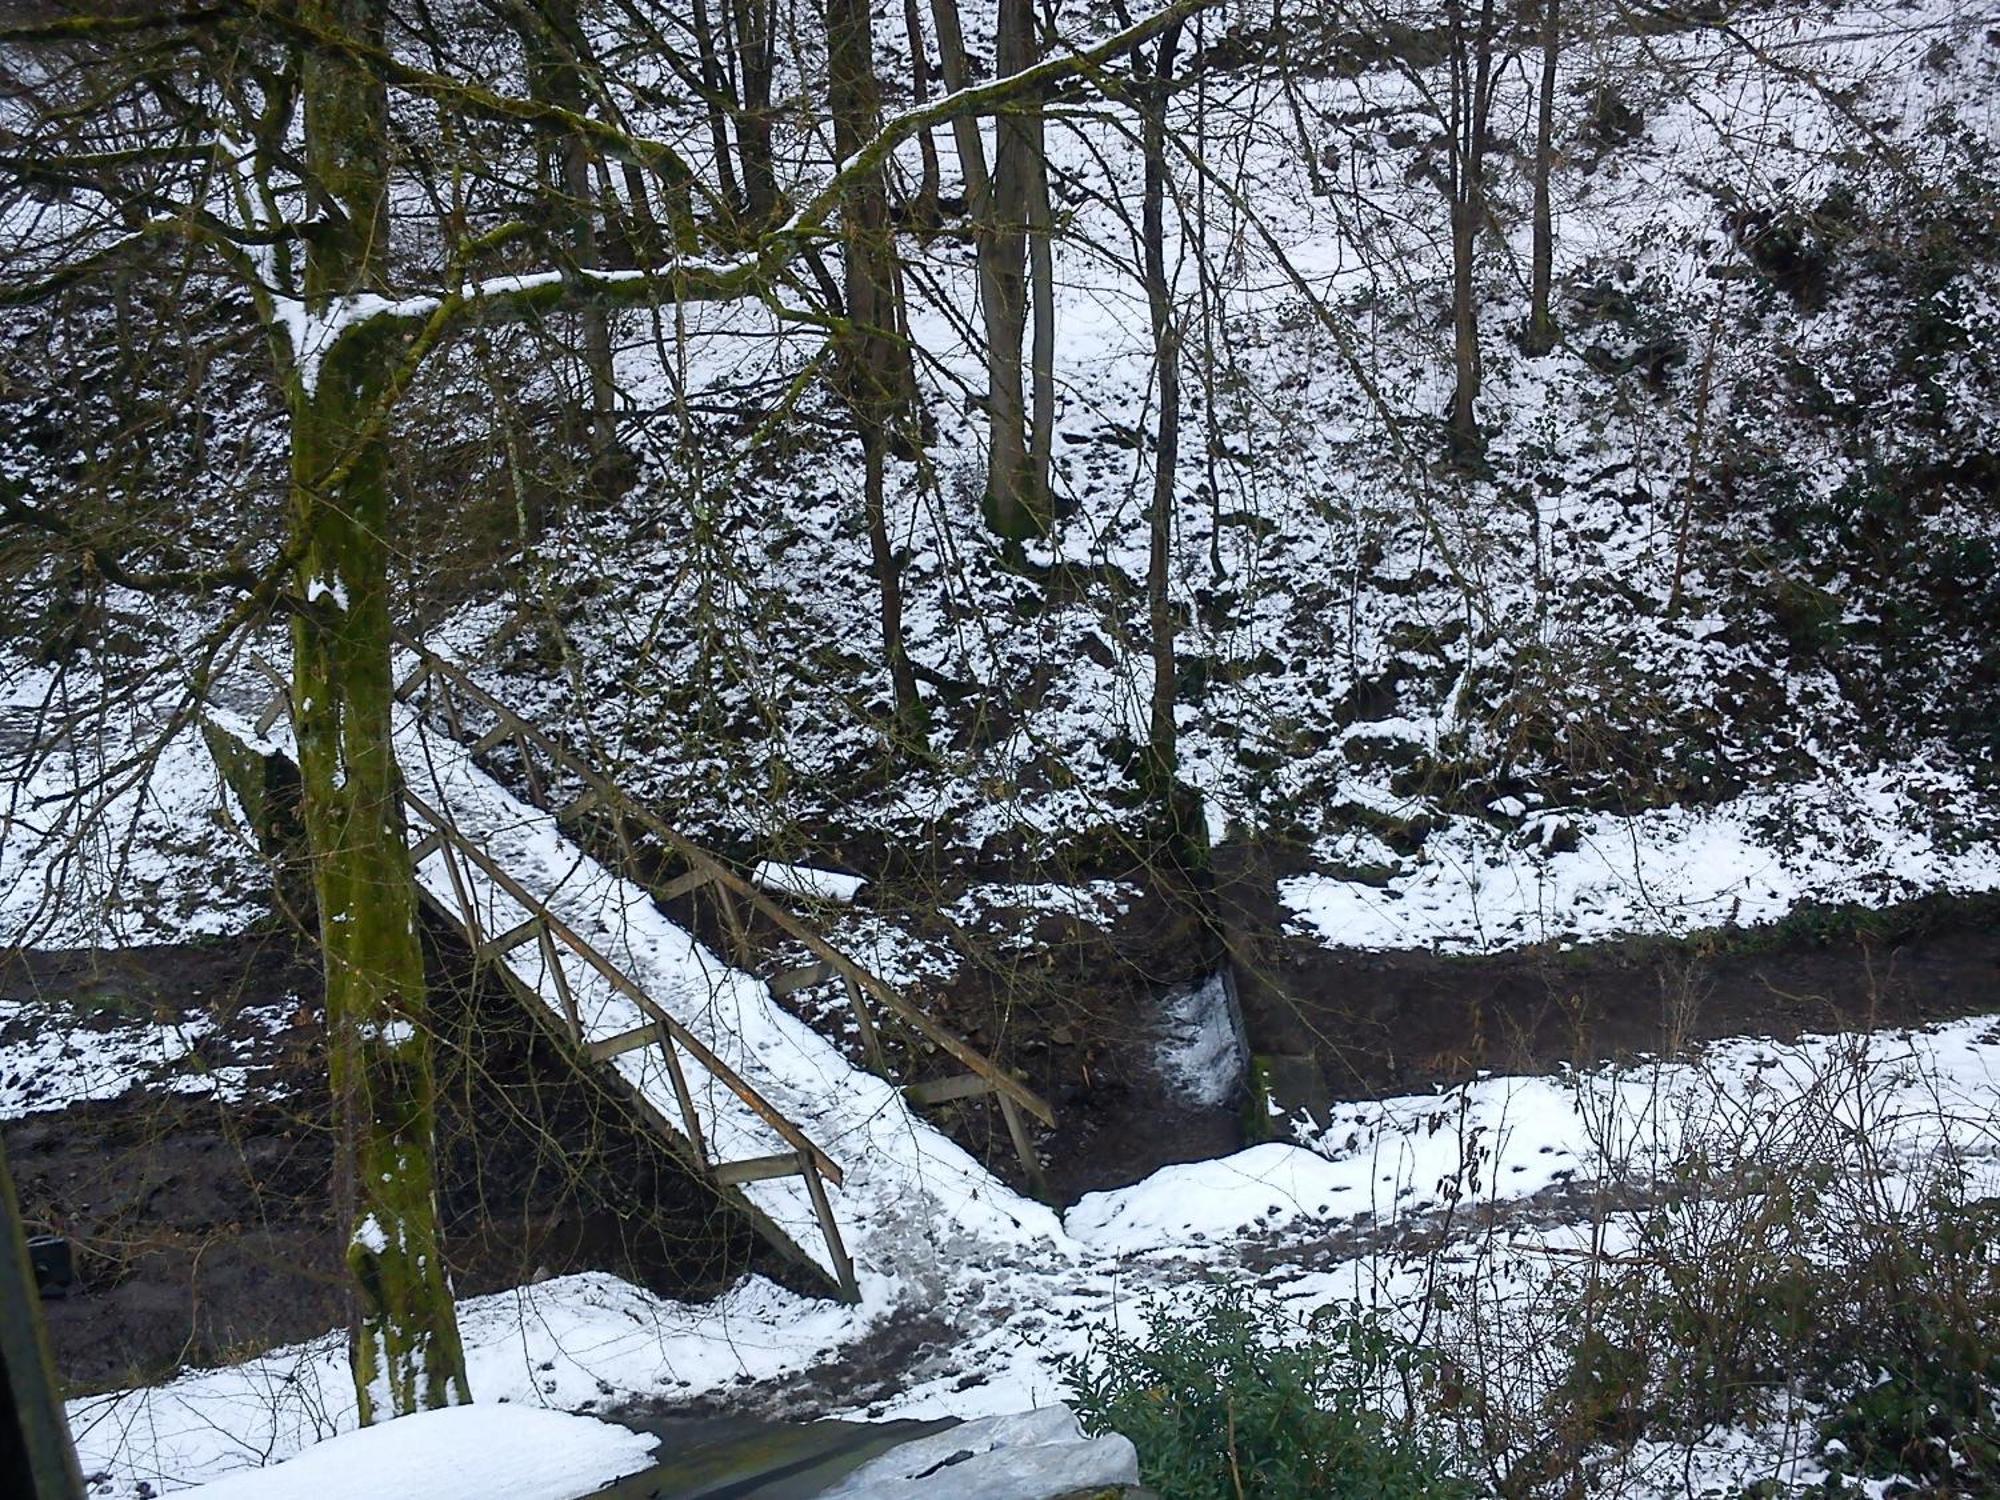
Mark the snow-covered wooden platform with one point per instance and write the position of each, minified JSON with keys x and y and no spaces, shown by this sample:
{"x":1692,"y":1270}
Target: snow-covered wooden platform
{"x":827,"y":1160}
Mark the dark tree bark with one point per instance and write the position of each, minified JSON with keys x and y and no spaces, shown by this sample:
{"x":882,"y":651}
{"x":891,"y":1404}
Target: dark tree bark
{"x":721,"y":102}
{"x":1540,"y":337}
{"x":1471,"y":93}
{"x":1017,"y":499}
{"x":925,"y":210}
{"x":965,"y":129}
{"x":552,"y":41}
{"x":1162,"y":739}
{"x":875,"y":360}
{"x":756,"y":25}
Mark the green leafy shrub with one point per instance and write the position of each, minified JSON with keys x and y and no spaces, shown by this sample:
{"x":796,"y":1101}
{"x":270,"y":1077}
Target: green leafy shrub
{"x":1232,"y":1396}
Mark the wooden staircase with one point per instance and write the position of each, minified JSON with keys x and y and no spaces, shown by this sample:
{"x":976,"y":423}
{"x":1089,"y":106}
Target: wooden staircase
{"x":608,"y":816}
{"x":544,"y":962}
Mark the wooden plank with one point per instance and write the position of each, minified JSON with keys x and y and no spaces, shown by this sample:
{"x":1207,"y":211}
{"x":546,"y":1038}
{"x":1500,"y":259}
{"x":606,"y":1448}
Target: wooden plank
{"x":758,"y":1169}
{"x":536,"y":795}
{"x":800,"y":978}
{"x":732,"y":922}
{"x":267,"y":669}
{"x":415,"y":680}
{"x":624,"y":1042}
{"x":598,"y":790}
{"x":658,"y":1124}
{"x":1038,"y":1182}
{"x":944,"y":1090}
{"x":620,"y":981}
{"x":686,"y":1099}
{"x":578,"y":805}
{"x":509,"y":940}
{"x":552,"y":966}
{"x":843,"y":1267}
{"x":281,"y":700}
{"x":447,"y":699}
{"x":468,"y":911}
{"x":857,"y":1000}
{"x":425,"y":847}
{"x":501,"y":731}
{"x":680,"y":885}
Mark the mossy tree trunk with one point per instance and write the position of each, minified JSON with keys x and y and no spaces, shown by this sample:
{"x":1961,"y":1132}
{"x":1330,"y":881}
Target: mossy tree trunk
{"x":406,"y":1351}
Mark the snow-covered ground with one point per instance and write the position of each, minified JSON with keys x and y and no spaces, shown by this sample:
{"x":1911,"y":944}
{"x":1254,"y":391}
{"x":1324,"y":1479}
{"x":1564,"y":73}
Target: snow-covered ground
{"x":113,"y":822}
{"x":1571,"y":877}
{"x":1359,"y":632}
{"x":1314,"y":1223}
{"x":1009,"y":1287}
{"x":463,"y":1453}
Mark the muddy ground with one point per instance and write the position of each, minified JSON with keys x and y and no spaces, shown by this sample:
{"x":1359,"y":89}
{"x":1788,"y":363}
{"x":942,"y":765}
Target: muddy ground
{"x":207,"y":1229}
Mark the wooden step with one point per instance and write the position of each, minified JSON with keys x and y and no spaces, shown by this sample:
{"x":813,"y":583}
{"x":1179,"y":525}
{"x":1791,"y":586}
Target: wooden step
{"x":680,"y":885}
{"x":579,"y":804}
{"x":756,"y":1169}
{"x":415,"y":680}
{"x":509,"y":940}
{"x":625,"y":1041}
{"x":944,"y":1090}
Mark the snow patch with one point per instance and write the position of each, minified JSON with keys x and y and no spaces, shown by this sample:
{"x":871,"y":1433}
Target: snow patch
{"x":807,"y":881}
{"x":459,"y":1453}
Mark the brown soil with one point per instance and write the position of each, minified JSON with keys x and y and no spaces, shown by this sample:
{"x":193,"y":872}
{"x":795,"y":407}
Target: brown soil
{"x":1389,"y":1023}
{"x":206,"y":1231}
{"x":1347,"y":1024}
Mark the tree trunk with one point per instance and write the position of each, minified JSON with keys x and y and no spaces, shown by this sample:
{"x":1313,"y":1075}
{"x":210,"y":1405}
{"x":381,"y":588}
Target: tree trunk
{"x":755,"y":23}
{"x":925,"y":210}
{"x":1471,"y":90}
{"x":406,"y":1351}
{"x":964,"y":128}
{"x":1163,"y":752}
{"x":1042,"y":279}
{"x":721,"y":101}
{"x":1541,"y":334}
{"x":1016,"y":506}
{"x":551,"y":38}
{"x":875,"y":367}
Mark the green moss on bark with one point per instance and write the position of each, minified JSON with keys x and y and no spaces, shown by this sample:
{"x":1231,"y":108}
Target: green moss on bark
{"x":407,"y":1354}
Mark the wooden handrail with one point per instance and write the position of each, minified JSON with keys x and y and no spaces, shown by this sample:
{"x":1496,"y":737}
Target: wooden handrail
{"x":560,"y":930}
{"x":696,"y":856}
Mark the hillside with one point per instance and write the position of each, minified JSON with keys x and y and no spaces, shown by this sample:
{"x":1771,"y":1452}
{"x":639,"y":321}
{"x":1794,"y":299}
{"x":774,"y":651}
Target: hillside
{"x":1567,"y":828}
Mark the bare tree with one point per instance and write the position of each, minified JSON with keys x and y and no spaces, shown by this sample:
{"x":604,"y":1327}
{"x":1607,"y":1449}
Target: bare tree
{"x":1018,"y":503}
{"x":1162,"y":736}
{"x":1540,"y":336}
{"x":874,"y":355}
{"x":1469,"y":99}
{"x":171,"y":138}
